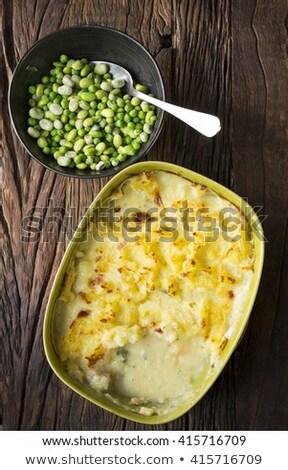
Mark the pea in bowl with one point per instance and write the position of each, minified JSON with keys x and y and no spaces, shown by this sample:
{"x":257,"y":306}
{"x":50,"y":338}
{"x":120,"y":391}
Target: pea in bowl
{"x":147,"y":307}
{"x":75,"y":118}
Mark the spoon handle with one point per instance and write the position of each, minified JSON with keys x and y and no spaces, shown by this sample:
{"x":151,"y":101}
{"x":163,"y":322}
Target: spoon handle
{"x":206,"y":124}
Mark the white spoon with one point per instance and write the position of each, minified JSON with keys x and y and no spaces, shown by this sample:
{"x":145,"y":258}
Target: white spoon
{"x":206,"y":124}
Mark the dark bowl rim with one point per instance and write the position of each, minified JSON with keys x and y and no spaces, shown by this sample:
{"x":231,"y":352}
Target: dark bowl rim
{"x":110,"y":171}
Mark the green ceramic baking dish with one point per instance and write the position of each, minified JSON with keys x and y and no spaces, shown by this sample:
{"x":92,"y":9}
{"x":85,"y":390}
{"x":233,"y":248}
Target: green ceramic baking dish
{"x":258,"y":238}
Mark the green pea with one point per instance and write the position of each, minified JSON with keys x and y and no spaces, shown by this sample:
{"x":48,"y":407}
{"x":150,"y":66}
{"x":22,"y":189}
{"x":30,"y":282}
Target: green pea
{"x":46,"y":124}
{"x":144,"y":137}
{"x":128,"y":150}
{"x":147,"y":128}
{"x":136,"y":145}
{"x":90,"y":151}
{"x":36,"y":113}
{"x":101,"y":69}
{"x":82,"y":132}
{"x":67,"y":70}
{"x":42,"y":142}
{"x":33,"y":132}
{"x":107,"y":112}
{"x":44,"y":100}
{"x":85,"y":70}
{"x":81,"y":166}
{"x":133,"y":113}
{"x":85,"y":83}
{"x":88,"y":122}
{"x":84,"y":105}
{"x":131,"y":125}
{"x":63,"y":58}
{"x":100,"y":147}
{"x":141,"y":115}
{"x":108,"y":129}
{"x":43,"y":133}
{"x":87,"y":96}
{"x":95,"y":133}
{"x":82,"y":114}
{"x":117,"y":141}
{"x":63,"y":161}
{"x":108,"y":151}
{"x":135,"y":101}
{"x":104,"y":158}
{"x":115,"y":92}
{"x":55,"y":87}
{"x":100,"y":94}
{"x":145,"y":106}
{"x":71,"y":135}
{"x":39,"y":90}
{"x":65,"y":90}
{"x":93,"y":105}
{"x":32,"y":103}
{"x":89,"y":161}
{"x":78,"y":159}
{"x":120,"y":102}
{"x":77,"y":65}
{"x":118,"y":83}
{"x":64,"y":103}
{"x":106,"y":86}
{"x":88,"y":139}
{"x":55,"y":108}
{"x":92,"y":89}
{"x":142,"y":88}
{"x":32,"y":122}
{"x":148,"y":116}
{"x":63,"y":149}
{"x":75,"y":79}
{"x":79,"y":145}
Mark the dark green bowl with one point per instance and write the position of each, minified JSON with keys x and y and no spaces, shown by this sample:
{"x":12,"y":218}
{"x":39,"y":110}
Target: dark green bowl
{"x":93,"y":43}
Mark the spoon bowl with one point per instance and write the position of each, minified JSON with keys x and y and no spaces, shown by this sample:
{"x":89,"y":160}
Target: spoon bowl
{"x":204,"y":123}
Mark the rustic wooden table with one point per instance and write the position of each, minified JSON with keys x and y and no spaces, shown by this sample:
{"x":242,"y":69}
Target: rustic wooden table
{"x":223,"y":56}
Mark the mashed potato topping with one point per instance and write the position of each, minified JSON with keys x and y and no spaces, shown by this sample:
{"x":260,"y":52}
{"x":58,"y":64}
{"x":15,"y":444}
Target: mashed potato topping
{"x":151,"y":298}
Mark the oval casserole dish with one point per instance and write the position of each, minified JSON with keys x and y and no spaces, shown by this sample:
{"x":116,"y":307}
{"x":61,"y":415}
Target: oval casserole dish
{"x":100,"y":399}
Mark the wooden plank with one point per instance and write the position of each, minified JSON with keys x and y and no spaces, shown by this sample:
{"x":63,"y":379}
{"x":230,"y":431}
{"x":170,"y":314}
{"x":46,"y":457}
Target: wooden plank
{"x":260,"y":96}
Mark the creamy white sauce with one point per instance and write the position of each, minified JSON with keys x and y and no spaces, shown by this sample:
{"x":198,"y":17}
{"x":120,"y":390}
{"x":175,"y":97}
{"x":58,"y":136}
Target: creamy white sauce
{"x":155,"y":370}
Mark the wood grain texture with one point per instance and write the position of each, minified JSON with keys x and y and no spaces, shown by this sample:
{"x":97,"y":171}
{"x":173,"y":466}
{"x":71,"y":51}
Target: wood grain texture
{"x":260,"y":97}
{"x":227,"y":57}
